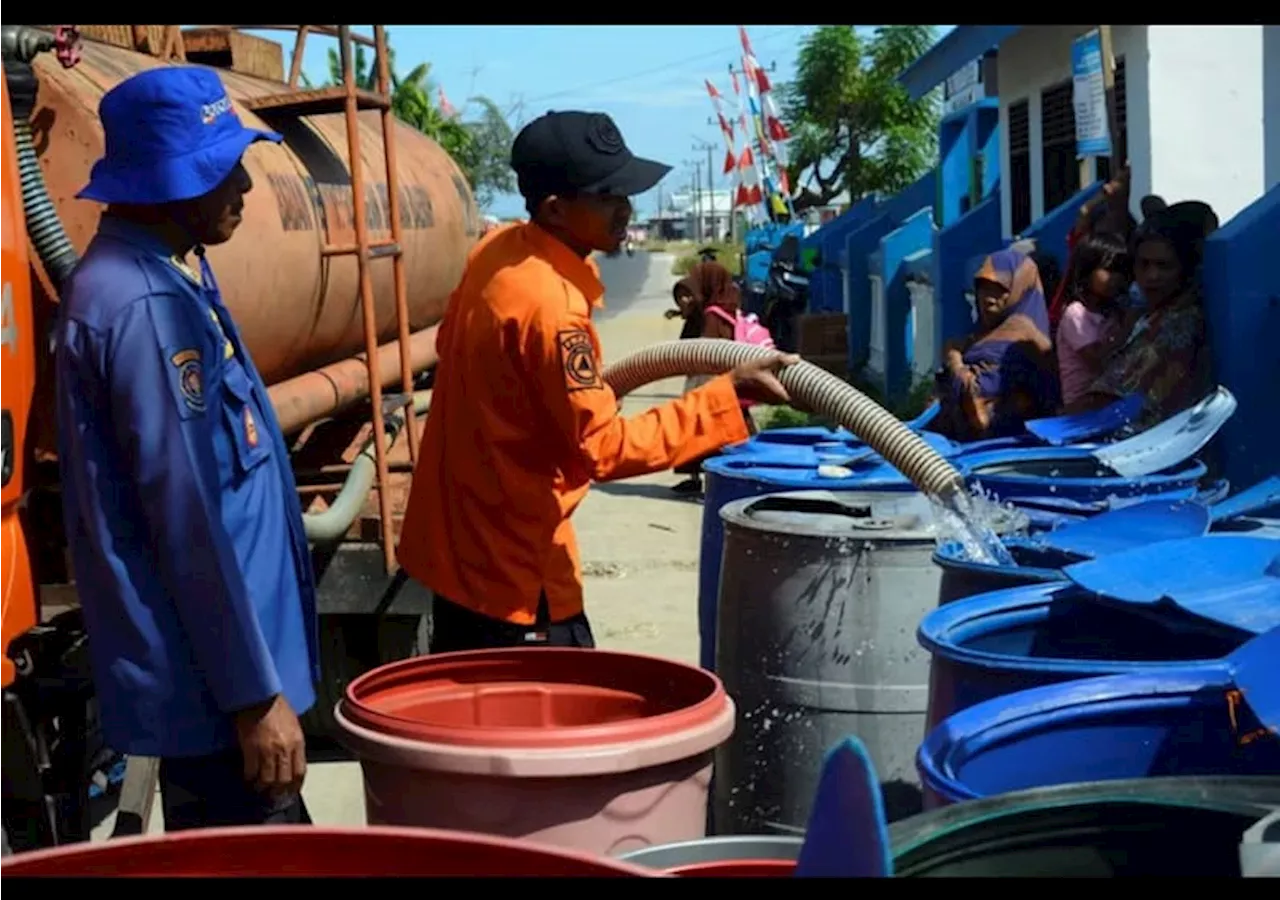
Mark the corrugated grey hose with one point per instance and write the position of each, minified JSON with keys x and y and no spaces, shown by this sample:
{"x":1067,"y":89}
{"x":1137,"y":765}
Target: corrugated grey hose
{"x":332,"y":523}
{"x":814,"y":387}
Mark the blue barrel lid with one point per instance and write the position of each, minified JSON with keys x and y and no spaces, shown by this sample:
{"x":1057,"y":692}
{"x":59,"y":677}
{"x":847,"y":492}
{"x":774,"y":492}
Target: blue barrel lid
{"x":1060,"y":431}
{"x":1131,"y":526}
{"x":1255,"y":669}
{"x":1152,"y":572}
{"x":847,"y":834}
{"x":1174,"y":440}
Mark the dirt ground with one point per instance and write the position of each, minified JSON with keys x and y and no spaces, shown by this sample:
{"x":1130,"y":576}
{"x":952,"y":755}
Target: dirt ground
{"x":639,"y":540}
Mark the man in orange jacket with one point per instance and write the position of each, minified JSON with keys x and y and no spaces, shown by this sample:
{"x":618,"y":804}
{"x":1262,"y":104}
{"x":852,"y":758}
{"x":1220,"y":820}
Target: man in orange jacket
{"x":521,"y":421}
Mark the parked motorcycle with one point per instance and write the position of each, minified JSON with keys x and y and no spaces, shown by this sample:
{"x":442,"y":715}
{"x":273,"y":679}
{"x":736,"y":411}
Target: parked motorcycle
{"x":786,"y":294}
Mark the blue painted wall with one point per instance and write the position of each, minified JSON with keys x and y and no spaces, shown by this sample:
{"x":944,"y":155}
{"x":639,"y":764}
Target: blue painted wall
{"x":957,"y":252}
{"x":827,"y":282}
{"x":969,"y":159}
{"x":914,"y":235}
{"x":863,"y":241}
{"x":1242,"y":300}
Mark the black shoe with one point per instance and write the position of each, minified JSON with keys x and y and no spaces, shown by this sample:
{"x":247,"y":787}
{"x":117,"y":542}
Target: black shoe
{"x":691,"y":487}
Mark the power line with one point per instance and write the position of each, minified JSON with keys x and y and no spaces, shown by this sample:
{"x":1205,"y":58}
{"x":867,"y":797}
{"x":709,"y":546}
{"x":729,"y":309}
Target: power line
{"x":656,"y":70}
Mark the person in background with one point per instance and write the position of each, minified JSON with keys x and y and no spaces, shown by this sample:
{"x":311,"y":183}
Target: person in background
{"x":1152,"y":204}
{"x":181,"y":511}
{"x":522,"y":420}
{"x":707,"y":285}
{"x":1003,"y":374}
{"x":1162,"y":351}
{"x":1106,"y":211}
{"x":1099,"y":278}
{"x":1050,"y":272}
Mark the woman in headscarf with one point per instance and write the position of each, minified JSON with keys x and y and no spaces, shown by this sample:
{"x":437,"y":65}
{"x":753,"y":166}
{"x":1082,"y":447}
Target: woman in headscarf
{"x":707,"y":284}
{"x":1004,"y":373}
{"x":1161,"y":350}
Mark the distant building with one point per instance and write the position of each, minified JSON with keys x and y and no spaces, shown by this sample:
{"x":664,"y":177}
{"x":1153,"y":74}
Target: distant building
{"x":706,"y":213}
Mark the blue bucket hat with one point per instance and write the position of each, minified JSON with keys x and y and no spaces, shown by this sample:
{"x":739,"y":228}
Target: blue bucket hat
{"x":171,"y":134}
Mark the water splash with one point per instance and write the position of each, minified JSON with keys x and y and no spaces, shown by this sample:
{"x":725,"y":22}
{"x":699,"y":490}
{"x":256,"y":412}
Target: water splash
{"x":972,"y":520}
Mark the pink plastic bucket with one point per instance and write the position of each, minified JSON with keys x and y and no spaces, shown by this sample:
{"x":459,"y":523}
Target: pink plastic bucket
{"x":305,"y":851}
{"x":587,"y":749}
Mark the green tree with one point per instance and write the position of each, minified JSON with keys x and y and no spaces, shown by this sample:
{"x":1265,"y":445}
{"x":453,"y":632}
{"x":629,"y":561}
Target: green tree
{"x":854,"y":127}
{"x":481,"y":147}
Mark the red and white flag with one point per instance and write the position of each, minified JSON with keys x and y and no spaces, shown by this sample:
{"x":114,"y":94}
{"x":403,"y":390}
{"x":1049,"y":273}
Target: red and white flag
{"x":446,"y":108}
{"x":726,"y":127}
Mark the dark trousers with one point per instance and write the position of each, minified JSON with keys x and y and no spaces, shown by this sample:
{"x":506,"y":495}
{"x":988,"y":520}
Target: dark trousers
{"x":455,"y":627}
{"x":210,"y":792}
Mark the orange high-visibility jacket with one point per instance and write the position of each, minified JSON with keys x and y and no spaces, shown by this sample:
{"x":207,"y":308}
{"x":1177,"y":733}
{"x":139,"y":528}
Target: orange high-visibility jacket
{"x":521,"y":423}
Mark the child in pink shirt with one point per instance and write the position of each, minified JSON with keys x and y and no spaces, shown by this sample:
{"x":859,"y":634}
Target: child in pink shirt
{"x":1099,"y":275}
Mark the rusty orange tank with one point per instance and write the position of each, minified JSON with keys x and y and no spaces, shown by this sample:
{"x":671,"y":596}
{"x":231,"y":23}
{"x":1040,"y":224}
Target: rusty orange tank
{"x":297,"y":309}
{"x":17,"y":384}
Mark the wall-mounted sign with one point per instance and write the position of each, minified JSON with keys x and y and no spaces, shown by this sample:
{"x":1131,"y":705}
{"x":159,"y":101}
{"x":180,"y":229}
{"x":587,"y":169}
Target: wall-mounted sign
{"x":1089,"y":96}
{"x":963,"y":88}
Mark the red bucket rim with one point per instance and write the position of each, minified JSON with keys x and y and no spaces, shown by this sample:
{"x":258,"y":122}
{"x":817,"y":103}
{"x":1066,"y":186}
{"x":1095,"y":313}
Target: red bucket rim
{"x":521,"y":663}
{"x":243,"y":852}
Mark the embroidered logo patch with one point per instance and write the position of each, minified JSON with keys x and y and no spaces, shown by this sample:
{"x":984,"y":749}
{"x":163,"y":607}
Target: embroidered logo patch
{"x":250,"y":428}
{"x":190,"y":378}
{"x":578,"y":357}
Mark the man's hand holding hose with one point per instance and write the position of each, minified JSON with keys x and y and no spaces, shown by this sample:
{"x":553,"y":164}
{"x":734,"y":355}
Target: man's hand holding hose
{"x":757,"y":379}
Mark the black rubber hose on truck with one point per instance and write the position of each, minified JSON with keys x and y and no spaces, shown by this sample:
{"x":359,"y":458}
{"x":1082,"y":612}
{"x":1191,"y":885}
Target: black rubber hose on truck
{"x":814,"y":387}
{"x":44,"y":228}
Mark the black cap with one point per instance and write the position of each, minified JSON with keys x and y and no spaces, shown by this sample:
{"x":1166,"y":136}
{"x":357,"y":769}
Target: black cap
{"x":579,"y":152}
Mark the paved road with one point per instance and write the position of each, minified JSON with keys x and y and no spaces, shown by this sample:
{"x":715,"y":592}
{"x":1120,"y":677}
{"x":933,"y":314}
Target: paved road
{"x":636,"y":284}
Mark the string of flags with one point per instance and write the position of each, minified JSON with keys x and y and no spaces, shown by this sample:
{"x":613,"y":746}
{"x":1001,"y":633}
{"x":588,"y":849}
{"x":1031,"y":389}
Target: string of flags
{"x":761,"y":184}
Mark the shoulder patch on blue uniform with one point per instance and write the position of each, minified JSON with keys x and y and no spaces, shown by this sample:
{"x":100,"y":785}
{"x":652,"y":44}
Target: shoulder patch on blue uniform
{"x":190,"y":378}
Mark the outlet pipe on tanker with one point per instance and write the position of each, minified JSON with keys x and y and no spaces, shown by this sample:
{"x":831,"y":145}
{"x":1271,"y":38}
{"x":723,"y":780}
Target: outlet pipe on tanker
{"x":331,"y":524}
{"x":816,"y":388}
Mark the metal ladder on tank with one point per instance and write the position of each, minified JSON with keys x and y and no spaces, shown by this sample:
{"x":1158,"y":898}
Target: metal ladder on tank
{"x":351,"y":99}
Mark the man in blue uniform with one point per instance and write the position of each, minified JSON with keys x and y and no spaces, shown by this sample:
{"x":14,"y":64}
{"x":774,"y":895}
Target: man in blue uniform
{"x":182,"y":514}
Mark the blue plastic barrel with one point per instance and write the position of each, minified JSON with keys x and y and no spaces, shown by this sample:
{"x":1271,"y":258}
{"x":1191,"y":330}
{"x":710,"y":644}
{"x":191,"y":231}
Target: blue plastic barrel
{"x":1183,"y":721}
{"x":734,"y":476}
{"x":1069,"y":473}
{"x":963,"y":577}
{"x":992,"y":645}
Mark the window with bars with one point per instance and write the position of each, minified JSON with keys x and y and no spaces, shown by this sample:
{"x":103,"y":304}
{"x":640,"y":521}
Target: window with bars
{"x":1122,"y":121}
{"x":1019,"y":178}
{"x":1058,"y":145}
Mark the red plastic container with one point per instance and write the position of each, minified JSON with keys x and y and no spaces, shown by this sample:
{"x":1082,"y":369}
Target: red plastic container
{"x":590,"y":749}
{"x":307,"y":851}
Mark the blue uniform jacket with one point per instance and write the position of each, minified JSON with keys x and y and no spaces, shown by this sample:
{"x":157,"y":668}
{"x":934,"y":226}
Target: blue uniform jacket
{"x":182,"y":514}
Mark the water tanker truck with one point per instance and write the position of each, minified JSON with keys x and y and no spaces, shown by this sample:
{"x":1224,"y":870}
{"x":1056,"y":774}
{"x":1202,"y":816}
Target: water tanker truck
{"x":337,"y":278}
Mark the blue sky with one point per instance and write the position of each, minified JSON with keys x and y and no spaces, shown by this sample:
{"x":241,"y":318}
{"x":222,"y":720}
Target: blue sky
{"x":648,"y":77}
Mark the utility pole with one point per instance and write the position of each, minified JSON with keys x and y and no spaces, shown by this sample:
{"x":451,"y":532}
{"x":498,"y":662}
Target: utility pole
{"x":711,"y":188}
{"x":697,"y":188}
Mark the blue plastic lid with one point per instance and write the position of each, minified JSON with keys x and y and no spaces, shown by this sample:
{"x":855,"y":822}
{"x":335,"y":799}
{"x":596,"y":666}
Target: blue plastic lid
{"x":1131,"y":526}
{"x":1060,"y":431}
{"x":1176,"y":439}
{"x":1255,"y":669}
{"x":1189,"y":565}
{"x":1263,"y":495}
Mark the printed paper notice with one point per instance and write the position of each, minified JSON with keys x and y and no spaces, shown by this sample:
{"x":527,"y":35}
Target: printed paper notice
{"x":1089,"y":96}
